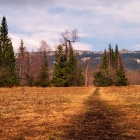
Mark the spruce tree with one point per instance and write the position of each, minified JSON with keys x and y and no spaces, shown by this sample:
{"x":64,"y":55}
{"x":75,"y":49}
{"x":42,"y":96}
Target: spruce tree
{"x":71,"y":67}
{"x":116,"y":50}
{"x":117,"y":59}
{"x":104,"y":60}
{"x":44,"y":73}
{"x":67,"y":72}
{"x":43,"y":77}
{"x":8,"y":76}
{"x":75,"y":72}
{"x":121,"y":79}
{"x":111,"y":71}
{"x":59,"y":74}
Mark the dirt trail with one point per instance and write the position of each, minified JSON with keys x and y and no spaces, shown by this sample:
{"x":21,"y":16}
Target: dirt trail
{"x":98,"y":123}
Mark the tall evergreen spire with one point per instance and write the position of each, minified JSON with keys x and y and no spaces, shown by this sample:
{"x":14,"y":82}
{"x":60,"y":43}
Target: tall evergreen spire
{"x":104,"y":60}
{"x":44,"y":73}
{"x":7,"y":59}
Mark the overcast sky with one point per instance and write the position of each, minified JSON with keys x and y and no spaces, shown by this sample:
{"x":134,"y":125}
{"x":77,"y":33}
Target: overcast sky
{"x":99,"y":22}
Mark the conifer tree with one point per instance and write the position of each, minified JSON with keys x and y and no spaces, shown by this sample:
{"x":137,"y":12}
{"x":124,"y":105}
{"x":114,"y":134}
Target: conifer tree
{"x":104,"y":60}
{"x":44,"y":73}
{"x":111,"y":71}
{"x":71,"y":67}
{"x":121,"y":79}
{"x":59,"y":73}
{"x":103,"y":76}
{"x":117,"y":57}
{"x":67,"y":72}
{"x":8,"y":76}
{"x":116,"y":50}
{"x":43,"y":79}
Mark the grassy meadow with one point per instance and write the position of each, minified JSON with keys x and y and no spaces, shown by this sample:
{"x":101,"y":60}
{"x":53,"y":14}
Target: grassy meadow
{"x":31,"y":113}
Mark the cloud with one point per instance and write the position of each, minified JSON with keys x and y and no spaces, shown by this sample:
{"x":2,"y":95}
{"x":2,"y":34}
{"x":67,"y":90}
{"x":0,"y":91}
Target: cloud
{"x":82,"y":46}
{"x":29,"y":42}
{"x":98,"y":21}
{"x":32,"y":42}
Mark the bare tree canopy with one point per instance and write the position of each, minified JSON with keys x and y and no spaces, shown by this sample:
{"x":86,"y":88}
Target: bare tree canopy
{"x":69,"y":36}
{"x":44,"y":47}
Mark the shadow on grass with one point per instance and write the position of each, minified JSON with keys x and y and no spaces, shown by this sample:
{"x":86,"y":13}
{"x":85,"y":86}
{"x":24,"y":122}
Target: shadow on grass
{"x":98,"y":123}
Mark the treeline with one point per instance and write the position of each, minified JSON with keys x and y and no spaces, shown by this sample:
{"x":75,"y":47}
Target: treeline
{"x":34,"y":69}
{"x":29,"y":69}
{"x":111,"y":71}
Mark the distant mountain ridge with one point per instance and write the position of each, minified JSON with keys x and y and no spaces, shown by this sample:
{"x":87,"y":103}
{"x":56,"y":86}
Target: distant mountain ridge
{"x":131,"y":59}
{"x":123,"y":51}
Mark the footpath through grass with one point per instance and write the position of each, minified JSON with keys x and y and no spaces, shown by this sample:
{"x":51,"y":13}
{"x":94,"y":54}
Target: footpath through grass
{"x":109,"y":116}
{"x":75,"y":113}
{"x":99,"y":122}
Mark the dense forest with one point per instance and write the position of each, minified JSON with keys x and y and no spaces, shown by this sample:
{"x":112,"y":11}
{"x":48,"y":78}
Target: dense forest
{"x":62,"y":67}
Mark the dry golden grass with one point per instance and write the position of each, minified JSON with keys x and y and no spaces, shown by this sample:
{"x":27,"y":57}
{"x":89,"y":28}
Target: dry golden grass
{"x":127,"y":101}
{"x":43,"y":113}
{"x":35,"y":113}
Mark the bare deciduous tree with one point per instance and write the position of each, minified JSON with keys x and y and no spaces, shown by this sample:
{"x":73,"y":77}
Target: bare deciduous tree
{"x":67,"y":39}
{"x":21,"y":63}
{"x":44,"y":47}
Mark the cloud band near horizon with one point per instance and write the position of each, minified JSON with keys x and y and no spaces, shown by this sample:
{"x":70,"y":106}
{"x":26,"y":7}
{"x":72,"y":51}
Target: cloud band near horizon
{"x":99,"y":22}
